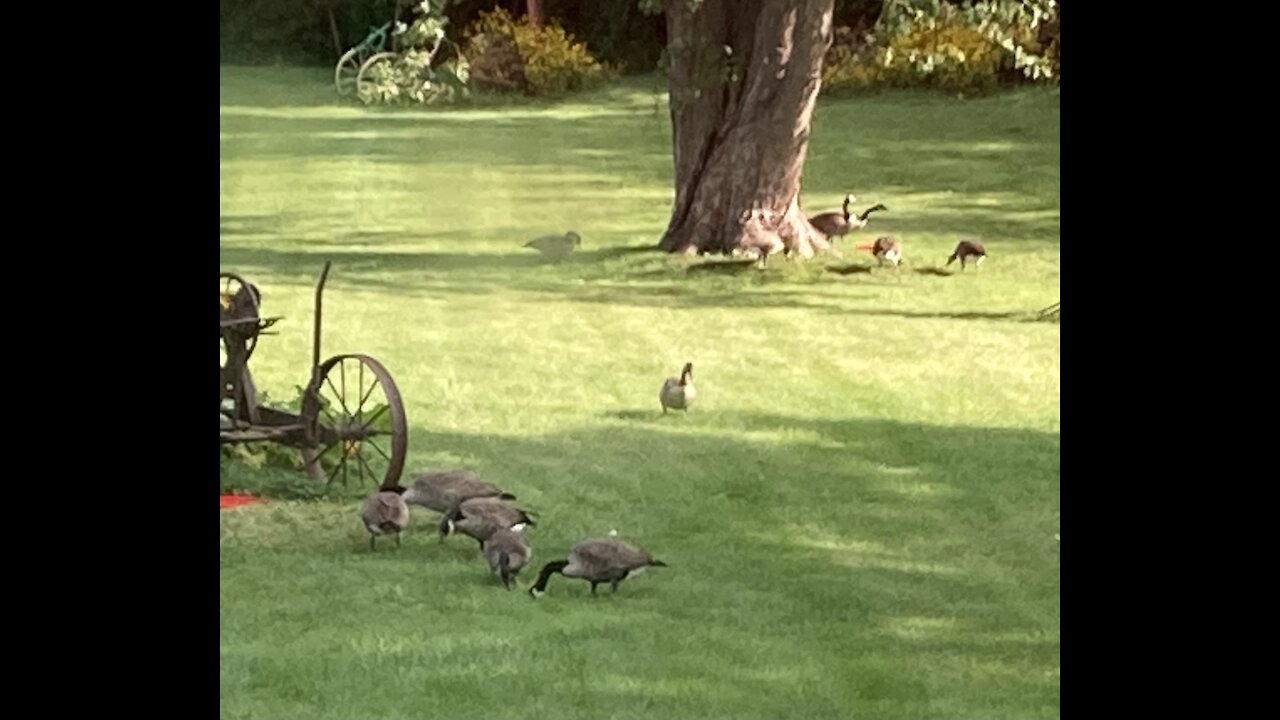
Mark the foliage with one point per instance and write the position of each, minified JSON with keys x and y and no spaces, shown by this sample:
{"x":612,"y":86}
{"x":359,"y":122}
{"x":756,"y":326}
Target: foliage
{"x":553,"y":61}
{"x":300,"y":31}
{"x":276,"y":470}
{"x":935,"y":44}
{"x":265,"y":468}
{"x":416,"y":73}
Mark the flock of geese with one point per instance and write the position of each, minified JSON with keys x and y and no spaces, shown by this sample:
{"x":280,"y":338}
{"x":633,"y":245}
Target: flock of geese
{"x":472,"y":506}
{"x":832,"y":225}
{"x":836,"y":225}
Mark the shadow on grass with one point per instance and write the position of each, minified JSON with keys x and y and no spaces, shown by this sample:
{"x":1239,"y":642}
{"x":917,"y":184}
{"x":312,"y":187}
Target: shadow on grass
{"x":850,"y":268}
{"x":922,"y":546}
{"x":1013,"y":315}
{"x":431,"y":274}
{"x":838,"y":500}
{"x":601,"y":149}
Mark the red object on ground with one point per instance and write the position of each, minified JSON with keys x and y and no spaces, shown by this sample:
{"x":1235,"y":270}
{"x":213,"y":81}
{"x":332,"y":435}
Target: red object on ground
{"x":226,"y":501}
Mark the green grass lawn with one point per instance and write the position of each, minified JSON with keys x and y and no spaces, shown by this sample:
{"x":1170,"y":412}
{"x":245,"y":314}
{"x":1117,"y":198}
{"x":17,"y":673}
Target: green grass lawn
{"x":858,"y":514}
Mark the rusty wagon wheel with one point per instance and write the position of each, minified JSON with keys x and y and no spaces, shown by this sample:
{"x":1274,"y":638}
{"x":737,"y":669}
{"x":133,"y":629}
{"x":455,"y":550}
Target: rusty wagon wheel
{"x":238,"y":299}
{"x":360,"y":425}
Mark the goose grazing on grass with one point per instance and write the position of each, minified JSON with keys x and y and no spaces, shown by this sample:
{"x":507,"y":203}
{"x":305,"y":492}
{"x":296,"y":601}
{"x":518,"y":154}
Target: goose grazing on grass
{"x":440,"y":491}
{"x":480,"y":518}
{"x":678,"y":393}
{"x":598,"y":560}
{"x":507,"y":552}
{"x":884,"y":248}
{"x":838,"y":224}
{"x":385,"y":513}
{"x":966,"y":249}
{"x":556,"y":247}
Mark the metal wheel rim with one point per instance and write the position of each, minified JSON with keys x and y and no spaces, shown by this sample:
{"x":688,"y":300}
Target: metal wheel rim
{"x":347,"y":71}
{"x":364,"y":70}
{"x":225,"y":280}
{"x":344,"y":431}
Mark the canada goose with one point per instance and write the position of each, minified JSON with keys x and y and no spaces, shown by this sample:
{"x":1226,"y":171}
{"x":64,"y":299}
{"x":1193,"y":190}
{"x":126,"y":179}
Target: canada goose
{"x":597,"y":560}
{"x":884,"y":248}
{"x":966,"y":249}
{"x":480,"y":518}
{"x":385,"y":513}
{"x":440,"y":491}
{"x":556,"y":247}
{"x":507,"y":551}
{"x":839,"y":224}
{"x":678,"y":393}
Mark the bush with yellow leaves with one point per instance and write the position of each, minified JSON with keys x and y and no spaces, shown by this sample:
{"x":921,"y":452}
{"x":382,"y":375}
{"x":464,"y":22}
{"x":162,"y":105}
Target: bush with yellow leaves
{"x":932,"y":44}
{"x":553,"y":63}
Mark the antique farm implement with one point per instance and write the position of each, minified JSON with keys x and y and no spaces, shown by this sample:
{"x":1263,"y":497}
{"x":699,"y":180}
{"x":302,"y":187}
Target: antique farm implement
{"x":351,"y":424}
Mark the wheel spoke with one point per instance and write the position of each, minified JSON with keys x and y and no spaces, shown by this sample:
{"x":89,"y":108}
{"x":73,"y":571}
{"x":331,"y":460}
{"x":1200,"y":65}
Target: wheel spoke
{"x":327,"y":449}
{"x":366,"y":396}
{"x":376,"y":415}
{"x":381,"y":452}
{"x":372,"y":475}
{"x":332,"y":419}
{"x":334,"y":472}
{"x":341,"y":399}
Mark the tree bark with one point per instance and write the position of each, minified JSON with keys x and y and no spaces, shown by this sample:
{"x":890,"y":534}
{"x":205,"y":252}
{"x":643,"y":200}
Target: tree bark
{"x":533,"y":8}
{"x":744,"y":77}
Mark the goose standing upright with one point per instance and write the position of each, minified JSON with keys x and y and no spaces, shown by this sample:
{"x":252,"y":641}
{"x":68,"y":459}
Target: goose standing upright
{"x":838,"y":224}
{"x":597,"y":560}
{"x":678,"y":393}
{"x":385,"y":513}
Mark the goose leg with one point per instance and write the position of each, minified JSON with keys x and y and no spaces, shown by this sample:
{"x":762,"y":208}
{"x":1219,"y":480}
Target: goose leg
{"x":615,"y":586}
{"x":371,"y":547}
{"x":397,"y":539}
{"x":593,"y":588}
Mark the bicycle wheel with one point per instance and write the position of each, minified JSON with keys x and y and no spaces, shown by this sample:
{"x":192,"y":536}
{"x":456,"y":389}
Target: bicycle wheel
{"x":376,"y":68}
{"x":348,"y":70}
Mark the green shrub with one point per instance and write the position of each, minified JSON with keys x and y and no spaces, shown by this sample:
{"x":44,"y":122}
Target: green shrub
{"x":553,"y":62}
{"x":419,"y":73}
{"x":932,"y":44}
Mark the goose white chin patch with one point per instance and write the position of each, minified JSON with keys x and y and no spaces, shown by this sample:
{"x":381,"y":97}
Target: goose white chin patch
{"x":518,"y":527}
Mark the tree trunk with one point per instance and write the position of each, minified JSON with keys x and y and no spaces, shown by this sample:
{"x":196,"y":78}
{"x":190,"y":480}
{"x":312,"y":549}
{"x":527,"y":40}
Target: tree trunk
{"x":744,"y":78}
{"x":533,"y":8}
